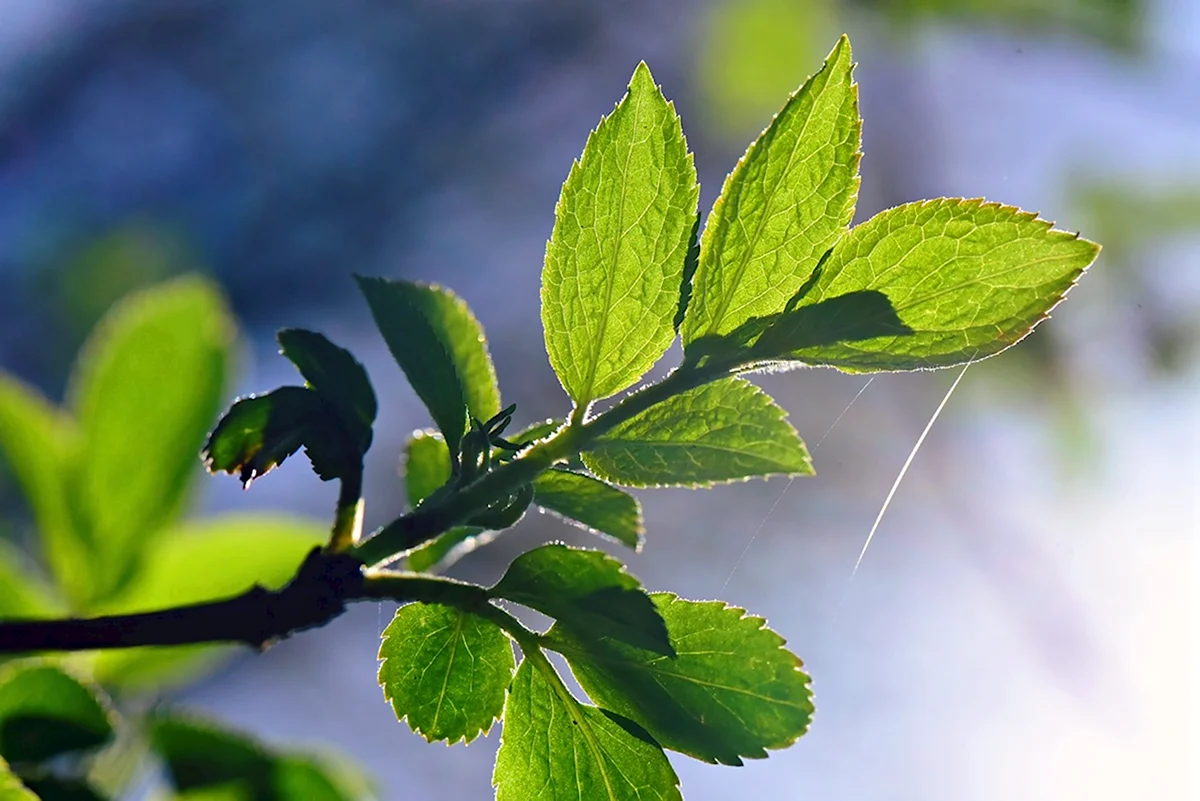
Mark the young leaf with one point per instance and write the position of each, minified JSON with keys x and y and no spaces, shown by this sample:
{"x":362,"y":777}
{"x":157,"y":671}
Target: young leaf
{"x":45,"y":712}
{"x":37,"y":443}
{"x":588,"y":590}
{"x":785,"y":203}
{"x":260,"y":431}
{"x":445,"y":671}
{"x":732,"y":690}
{"x":554,"y":748}
{"x":426,"y":465}
{"x":441,"y":348}
{"x":202,"y":561}
{"x":201,"y":756}
{"x":145,"y":390}
{"x":614,"y":262}
{"x":723,"y":431}
{"x":965,"y":278}
{"x":591,"y":504}
{"x":336,"y":376}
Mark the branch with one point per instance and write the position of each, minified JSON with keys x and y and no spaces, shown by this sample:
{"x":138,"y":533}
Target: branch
{"x":317,"y":594}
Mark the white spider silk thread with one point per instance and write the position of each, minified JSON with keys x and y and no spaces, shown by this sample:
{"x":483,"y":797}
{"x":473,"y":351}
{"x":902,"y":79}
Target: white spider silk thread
{"x":903,"y":470}
{"x":788,"y":486}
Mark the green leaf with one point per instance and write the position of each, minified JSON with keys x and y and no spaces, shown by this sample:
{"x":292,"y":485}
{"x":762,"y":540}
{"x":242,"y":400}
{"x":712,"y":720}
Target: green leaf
{"x":11,"y":788}
{"x":337,"y":377}
{"x":785,"y":203}
{"x":445,"y":671}
{"x":966,"y":278}
{"x":448,"y":548}
{"x":588,"y":590}
{"x":45,"y":712}
{"x":38,"y":443}
{"x":426,"y":465}
{"x":260,"y":431}
{"x":614,"y":263}
{"x":24,"y":593}
{"x":201,"y":756}
{"x":202,"y":561}
{"x":690,"y":263}
{"x":440,"y":346}
{"x":554,"y":748}
{"x":591,"y":504}
{"x":146,"y":388}
{"x":723,"y":431}
{"x":731,"y":691}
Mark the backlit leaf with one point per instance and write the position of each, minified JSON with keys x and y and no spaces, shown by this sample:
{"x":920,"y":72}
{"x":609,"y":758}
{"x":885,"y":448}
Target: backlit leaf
{"x":587,"y":590}
{"x":38,"y":444}
{"x":24,"y":593}
{"x":146,"y":389}
{"x":723,"y":431}
{"x":336,"y":376}
{"x":554,"y":748}
{"x":440,"y":346}
{"x":731,"y":690}
{"x":45,"y":712}
{"x":614,"y":262}
{"x":591,"y":504}
{"x":445,"y":671}
{"x":966,"y":278}
{"x":785,"y":203}
{"x":260,"y":431}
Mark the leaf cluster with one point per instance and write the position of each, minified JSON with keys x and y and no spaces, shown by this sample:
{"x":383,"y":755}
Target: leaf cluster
{"x":775,"y":278}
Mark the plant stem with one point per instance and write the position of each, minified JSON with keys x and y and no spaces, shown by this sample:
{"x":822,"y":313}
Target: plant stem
{"x":424,"y":523}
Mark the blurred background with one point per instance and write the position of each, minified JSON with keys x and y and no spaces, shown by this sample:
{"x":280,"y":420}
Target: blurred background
{"x":1024,"y":624}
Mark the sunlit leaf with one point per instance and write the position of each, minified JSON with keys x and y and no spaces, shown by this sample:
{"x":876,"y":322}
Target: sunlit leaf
{"x":965,"y":278}
{"x":587,"y":590}
{"x":731,"y":690}
{"x":615,"y":260}
{"x":723,"y":431}
{"x":260,"y":431}
{"x":215,"y":558}
{"x":591,"y":504}
{"x":45,"y":712}
{"x":785,"y":203}
{"x":441,"y":348}
{"x":554,"y":748}
{"x":445,"y":671}
{"x":337,"y":377}
{"x":426,"y":465}
{"x":146,"y":390}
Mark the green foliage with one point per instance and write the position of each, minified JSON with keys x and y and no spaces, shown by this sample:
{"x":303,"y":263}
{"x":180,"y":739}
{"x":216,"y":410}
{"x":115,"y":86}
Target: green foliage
{"x":45,"y":712}
{"x":556,"y":748}
{"x":445,"y":670}
{"x":589,"y":589}
{"x":592,"y":504}
{"x":776,"y":278}
{"x":731,"y":689}
{"x":208,"y":761}
{"x":788,"y":200}
{"x":153,"y":371}
{"x":614,"y":262}
{"x":440,"y":346}
{"x":724,"y":431}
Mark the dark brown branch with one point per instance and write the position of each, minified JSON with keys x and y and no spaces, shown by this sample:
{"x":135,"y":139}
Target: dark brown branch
{"x":318,"y":594}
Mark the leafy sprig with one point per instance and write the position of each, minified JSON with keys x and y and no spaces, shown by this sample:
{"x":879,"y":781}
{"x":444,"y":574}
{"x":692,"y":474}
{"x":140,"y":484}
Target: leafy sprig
{"x":776,"y":279}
